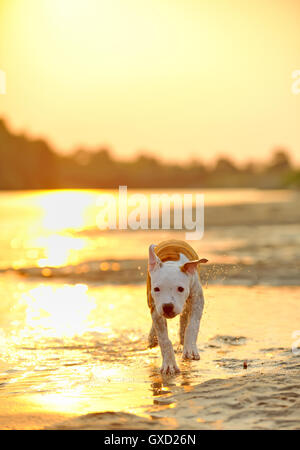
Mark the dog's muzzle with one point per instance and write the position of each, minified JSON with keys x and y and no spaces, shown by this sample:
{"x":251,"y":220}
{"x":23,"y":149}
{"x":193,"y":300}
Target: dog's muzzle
{"x":168,"y":310}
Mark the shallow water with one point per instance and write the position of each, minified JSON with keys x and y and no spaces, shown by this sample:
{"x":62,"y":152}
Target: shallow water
{"x":76,"y":349}
{"x":59,"y":228}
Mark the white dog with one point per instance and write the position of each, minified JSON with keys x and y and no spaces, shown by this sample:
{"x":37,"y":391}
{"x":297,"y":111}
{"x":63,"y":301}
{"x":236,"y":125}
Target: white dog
{"x":173,"y":287}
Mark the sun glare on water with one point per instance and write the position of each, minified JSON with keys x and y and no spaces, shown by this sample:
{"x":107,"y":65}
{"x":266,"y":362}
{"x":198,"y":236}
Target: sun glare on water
{"x":58,"y":311}
{"x":59,"y":250}
{"x":64,"y":210}
{"x":63,"y":214}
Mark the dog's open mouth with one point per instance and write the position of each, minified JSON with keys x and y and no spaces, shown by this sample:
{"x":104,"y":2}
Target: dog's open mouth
{"x":169,"y":315}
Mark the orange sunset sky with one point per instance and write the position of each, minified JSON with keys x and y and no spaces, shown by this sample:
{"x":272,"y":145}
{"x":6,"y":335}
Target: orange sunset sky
{"x":179,"y":78}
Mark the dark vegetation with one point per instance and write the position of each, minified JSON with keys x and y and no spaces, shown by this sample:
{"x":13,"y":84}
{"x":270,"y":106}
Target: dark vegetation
{"x":32,"y":164}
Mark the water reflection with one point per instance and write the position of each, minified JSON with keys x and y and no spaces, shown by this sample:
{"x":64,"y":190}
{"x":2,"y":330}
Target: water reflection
{"x":64,"y":210}
{"x":57,"y":228}
{"x":59,"y":250}
{"x":57,"y":311}
{"x":79,"y":348}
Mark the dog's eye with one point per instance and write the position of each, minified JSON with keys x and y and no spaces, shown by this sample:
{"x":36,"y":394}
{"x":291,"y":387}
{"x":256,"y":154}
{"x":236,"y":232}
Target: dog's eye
{"x":180,"y":289}
{"x":156,"y":289}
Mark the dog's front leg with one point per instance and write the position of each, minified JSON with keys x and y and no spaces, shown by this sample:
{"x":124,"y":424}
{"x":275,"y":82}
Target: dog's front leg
{"x":169,"y":365}
{"x":152,"y":338}
{"x":190,"y":350}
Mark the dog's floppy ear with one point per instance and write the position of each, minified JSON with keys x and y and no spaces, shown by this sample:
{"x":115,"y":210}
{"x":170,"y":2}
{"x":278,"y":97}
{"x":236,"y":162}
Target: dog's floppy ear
{"x":191,"y":266}
{"x":154,"y":260}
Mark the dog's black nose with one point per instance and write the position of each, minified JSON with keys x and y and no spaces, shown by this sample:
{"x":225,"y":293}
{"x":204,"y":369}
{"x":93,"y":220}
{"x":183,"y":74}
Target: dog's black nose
{"x":168,"y":308}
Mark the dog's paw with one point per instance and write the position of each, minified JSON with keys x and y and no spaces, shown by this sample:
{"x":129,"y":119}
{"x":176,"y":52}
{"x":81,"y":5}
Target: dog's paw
{"x":169,"y":368}
{"x":190,"y":353}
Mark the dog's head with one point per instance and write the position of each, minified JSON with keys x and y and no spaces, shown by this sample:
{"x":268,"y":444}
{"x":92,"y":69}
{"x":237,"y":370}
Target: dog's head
{"x":170,"y":283}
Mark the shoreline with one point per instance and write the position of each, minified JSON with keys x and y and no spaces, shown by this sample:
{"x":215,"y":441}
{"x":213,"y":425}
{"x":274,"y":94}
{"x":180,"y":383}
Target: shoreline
{"x":133,"y":271}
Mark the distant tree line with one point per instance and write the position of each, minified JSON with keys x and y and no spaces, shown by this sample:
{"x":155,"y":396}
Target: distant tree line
{"x":32,"y":164}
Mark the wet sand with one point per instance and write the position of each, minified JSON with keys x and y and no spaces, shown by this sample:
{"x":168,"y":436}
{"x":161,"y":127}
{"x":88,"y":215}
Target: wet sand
{"x":133,"y":271}
{"x":257,"y":401}
{"x":264,"y":401}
